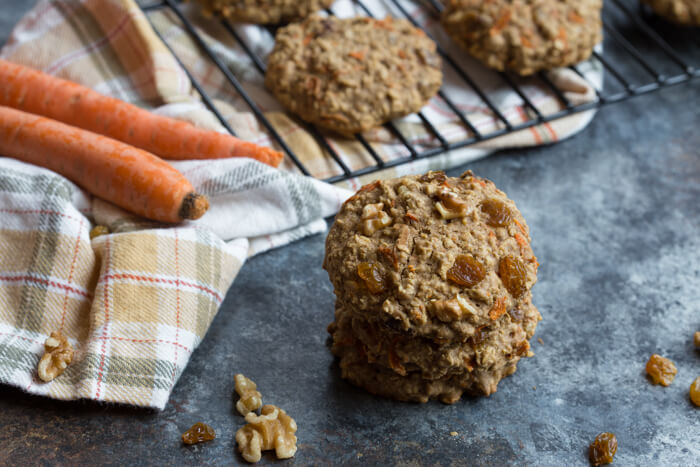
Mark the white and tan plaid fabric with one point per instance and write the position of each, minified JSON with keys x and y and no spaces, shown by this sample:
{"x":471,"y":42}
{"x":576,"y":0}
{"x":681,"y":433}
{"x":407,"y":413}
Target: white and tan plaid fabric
{"x":136,"y":303}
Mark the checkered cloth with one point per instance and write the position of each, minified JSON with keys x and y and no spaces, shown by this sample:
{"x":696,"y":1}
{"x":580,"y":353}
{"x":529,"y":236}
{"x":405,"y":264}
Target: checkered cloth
{"x":136,"y":303}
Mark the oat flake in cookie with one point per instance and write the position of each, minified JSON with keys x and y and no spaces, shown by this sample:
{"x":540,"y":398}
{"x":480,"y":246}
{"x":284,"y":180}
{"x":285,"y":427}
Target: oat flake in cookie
{"x":686,"y":12}
{"x":350,"y":75}
{"x":525,"y":36}
{"x":265,"y":11}
{"x":432,"y":277}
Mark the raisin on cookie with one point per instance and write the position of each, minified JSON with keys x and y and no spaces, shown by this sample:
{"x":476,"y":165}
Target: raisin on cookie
{"x":525,"y":36}
{"x":350,"y":75}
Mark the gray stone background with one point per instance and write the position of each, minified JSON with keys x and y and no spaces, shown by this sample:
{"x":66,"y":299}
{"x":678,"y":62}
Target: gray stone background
{"x":615,"y":220}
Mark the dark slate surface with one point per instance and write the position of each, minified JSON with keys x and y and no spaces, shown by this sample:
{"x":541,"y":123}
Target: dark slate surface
{"x":615,"y":218}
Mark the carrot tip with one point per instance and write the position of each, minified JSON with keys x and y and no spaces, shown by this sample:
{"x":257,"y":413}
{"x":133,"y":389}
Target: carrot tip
{"x":194,"y":206}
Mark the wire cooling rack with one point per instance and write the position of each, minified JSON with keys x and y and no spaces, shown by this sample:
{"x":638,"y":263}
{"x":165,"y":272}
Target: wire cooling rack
{"x":642,"y":54}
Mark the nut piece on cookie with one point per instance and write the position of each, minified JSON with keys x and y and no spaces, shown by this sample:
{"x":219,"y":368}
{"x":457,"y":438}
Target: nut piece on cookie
{"x":58,"y":355}
{"x":351,"y":75}
{"x":264,"y":11}
{"x":450,"y":206}
{"x":250,"y":398}
{"x":272,"y":429}
{"x":525,"y":36}
{"x":374,"y":218}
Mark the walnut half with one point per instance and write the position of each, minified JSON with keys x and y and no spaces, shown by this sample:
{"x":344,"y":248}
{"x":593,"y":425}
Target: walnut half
{"x":58,"y":354}
{"x":272,"y":429}
{"x":450,"y":205}
{"x":250,"y":398}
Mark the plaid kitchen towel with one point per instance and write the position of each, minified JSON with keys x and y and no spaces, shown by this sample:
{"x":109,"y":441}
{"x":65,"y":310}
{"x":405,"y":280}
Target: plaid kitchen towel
{"x":136,"y":303}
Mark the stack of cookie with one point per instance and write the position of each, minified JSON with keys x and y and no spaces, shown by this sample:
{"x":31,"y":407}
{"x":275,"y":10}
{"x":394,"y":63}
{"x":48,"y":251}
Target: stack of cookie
{"x":432,"y":277}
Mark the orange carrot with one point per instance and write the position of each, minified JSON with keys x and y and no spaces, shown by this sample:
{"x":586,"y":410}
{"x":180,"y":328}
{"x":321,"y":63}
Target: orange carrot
{"x":68,"y":102}
{"x":129,"y":177}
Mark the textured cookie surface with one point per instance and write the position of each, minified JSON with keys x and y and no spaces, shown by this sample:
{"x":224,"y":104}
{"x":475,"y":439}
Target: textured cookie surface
{"x":525,"y":36}
{"x":432,"y":277}
{"x":685,"y":12}
{"x":350,"y":75}
{"x":265,"y":11}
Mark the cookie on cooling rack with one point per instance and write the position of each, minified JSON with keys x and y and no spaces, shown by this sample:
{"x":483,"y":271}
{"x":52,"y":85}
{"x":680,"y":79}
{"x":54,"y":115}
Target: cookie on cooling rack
{"x":685,"y":12}
{"x":525,"y":36}
{"x":350,"y":75}
{"x":432,"y":278}
{"x":265,"y":11}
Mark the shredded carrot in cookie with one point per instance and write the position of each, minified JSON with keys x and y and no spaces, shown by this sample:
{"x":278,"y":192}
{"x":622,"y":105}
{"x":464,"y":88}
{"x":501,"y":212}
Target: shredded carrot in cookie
{"x":369,"y":186}
{"x":575,"y":17}
{"x":501,"y":22}
{"x":562,"y":37}
{"x":478,"y":181}
{"x":499,"y":308}
{"x":520,"y":226}
{"x":359,"y":55}
{"x":411,"y":216}
{"x":307,"y":40}
{"x":521,"y":242}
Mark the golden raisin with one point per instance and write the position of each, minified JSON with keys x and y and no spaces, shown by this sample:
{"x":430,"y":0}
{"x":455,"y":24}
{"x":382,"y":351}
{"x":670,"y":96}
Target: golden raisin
{"x":98,"y":230}
{"x":499,"y":214}
{"x":695,"y":391}
{"x":467,"y":271}
{"x":603,"y":449}
{"x":661,"y":370}
{"x":198,"y":433}
{"x":372,"y":275}
{"x":513,"y":274}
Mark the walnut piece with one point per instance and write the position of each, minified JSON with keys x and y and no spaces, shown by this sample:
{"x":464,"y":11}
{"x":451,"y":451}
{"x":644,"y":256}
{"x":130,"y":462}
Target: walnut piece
{"x":98,"y":231}
{"x":661,"y":370}
{"x":374,"y":218}
{"x":272,"y":429}
{"x":453,"y":309}
{"x":450,"y":206}
{"x":250,"y":398}
{"x":58,"y":354}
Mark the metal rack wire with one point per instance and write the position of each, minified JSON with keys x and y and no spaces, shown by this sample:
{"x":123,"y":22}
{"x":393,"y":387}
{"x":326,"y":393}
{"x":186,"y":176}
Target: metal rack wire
{"x":642,"y":54}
